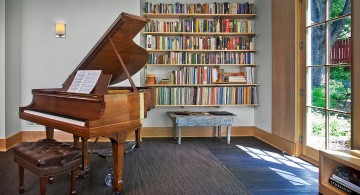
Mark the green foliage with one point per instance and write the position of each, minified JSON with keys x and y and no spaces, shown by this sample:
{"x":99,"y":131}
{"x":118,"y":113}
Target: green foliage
{"x":338,"y":95}
{"x":339,"y":125}
{"x":336,"y":7}
{"x":340,"y":73}
{"x":318,"y":96}
{"x":339,"y":92}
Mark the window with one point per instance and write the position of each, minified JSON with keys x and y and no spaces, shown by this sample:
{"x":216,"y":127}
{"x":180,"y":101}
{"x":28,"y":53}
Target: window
{"x":328,"y":99}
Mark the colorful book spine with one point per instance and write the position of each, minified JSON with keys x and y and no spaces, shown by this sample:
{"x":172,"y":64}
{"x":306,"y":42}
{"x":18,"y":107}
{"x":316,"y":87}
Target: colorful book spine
{"x":198,"y":8}
{"x":206,"y":95}
{"x":202,"y":58}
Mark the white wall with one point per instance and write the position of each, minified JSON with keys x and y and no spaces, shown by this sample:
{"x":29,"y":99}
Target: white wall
{"x":158,"y":117}
{"x":2,"y":69}
{"x":47,"y":61}
{"x":263,"y":57}
{"x":12,"y":65}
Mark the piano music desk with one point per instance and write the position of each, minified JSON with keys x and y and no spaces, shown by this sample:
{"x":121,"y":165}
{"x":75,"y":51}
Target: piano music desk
{"x":196,"y":119}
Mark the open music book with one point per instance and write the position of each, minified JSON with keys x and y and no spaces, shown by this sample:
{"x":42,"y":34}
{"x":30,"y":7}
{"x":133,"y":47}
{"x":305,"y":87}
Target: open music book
{"x":84,"y":81}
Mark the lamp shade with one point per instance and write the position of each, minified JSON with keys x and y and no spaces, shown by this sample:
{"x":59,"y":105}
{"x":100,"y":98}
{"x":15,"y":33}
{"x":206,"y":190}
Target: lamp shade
{"x":60,"y":30}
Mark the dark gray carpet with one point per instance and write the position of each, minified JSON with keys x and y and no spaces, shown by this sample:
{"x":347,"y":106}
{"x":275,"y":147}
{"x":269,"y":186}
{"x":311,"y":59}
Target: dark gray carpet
{"x":159,"y":167}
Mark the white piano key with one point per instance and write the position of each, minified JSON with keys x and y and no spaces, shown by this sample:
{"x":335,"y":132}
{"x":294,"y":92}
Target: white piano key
{"x":57,"y":118}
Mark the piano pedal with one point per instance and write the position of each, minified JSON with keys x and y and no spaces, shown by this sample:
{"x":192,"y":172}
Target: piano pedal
{"x":108,"y":179}
{"x":130,"y":150}
{"x":83,"y":172}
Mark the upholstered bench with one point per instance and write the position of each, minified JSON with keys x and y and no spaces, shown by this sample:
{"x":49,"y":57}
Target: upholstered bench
{"x":47,"y":158}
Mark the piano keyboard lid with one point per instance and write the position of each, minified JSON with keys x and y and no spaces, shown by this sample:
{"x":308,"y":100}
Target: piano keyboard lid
{"x":103,"y":57}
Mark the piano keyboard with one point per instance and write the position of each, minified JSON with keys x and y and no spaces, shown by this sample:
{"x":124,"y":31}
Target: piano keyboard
{"x":57,"y":118}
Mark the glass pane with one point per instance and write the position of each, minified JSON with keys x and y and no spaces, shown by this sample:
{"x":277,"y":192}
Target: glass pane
{"x":316,"y":10}
{"x":340,"y":127}
{"x":340,"y":41}
{"x":316,"y":45}
{"x":340,"y":88}
{"x":339,"y":8}
{"x":315,"y":136}
{"x":316,"y":87}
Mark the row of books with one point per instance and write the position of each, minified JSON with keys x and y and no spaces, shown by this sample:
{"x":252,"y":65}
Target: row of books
{"x":202,"y":25}
{"x":346,"y":179}
{"x":199,"y":43}
{"x":198,"y":8}
{"x":205,"y":95}
{"x":209,"y":75}
{"x":202,"y":58}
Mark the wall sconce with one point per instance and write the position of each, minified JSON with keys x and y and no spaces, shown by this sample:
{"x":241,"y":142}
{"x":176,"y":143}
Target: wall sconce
{"x":60,"y":30}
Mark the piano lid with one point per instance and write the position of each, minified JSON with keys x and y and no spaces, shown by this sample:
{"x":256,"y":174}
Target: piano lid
{"x":103,"y":57}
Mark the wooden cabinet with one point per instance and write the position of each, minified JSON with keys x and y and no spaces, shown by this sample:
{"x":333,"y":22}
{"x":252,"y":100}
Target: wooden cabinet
{"x":194,"y":47}
{"x":328,"y":162}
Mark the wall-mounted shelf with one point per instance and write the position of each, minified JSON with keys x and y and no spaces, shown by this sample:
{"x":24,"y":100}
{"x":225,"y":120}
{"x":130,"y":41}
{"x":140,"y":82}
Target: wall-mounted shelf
{"x":199,"y":33}
{"x":215,"y":105}
{"x":188,"y":50}
{"x":201,"y":48}
{"x":239,"y":16}
{"x":245,"y":65}
{"x":203,"y":85}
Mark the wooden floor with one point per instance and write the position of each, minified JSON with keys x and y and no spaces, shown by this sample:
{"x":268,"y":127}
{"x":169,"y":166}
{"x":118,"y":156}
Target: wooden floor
{"x":264,"y":169}
{"x":197,"y":166}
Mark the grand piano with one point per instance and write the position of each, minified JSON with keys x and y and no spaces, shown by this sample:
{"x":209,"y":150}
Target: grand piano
{"x":112,"y":112}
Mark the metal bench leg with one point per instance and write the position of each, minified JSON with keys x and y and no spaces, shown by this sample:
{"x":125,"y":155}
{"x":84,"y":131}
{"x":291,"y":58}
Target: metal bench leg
{"x":179,"y":135}
{"x":219,"y":131}
{"x":228,"y":134}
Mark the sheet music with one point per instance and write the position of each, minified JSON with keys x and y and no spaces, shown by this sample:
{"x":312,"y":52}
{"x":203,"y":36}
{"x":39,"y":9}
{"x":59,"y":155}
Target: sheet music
{"x":84,"y":81}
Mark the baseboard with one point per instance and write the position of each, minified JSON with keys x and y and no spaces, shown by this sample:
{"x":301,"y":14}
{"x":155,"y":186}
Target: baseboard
{"x":310,"y":160}
{"x":276,"y":141}
{"x":2,"y":145}
{"x":147,"y":132}
{"x":9,"y":142}
{"x":196,"y":131}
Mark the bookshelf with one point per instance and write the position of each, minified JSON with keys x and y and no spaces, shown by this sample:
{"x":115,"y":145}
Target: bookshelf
{"x":328,"y":162}
{"x":201,"y":54}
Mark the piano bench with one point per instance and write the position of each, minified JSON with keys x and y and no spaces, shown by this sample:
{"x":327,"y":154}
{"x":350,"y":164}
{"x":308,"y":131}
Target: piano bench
{"x":47,"y":158}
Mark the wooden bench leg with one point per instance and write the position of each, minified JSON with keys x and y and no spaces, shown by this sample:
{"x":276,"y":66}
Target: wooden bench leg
{"x":43,"y":182}
{"x":21,"y":179}
{"x":73,"y":181}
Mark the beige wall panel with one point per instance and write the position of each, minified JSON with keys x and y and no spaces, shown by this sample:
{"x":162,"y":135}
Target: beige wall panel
{"x":355,"y":71}
{"x":283,"y":69}
{"x":276,"y":141}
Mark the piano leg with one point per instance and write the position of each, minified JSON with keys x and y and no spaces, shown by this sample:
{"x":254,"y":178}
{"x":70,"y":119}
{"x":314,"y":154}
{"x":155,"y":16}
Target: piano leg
{"x":76,"y":141}
{"x":137,"y":138}
{"x":85,"y":158}
{"x":49,"y":133}
{"x":118,"y":158}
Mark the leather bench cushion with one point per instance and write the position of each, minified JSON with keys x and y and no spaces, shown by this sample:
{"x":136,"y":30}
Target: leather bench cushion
{"x":47,"y":153}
